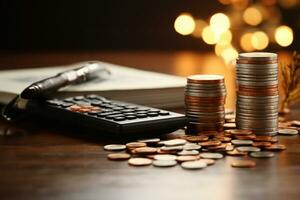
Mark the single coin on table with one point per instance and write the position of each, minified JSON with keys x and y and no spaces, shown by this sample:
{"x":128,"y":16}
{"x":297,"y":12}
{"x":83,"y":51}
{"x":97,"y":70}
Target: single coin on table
{"x":171,"y":148}
{"x":139,"y":161}
{"x":229,"y":125}
{"x":247,"y":149}
{"x":164,"y":163}
{"x":187,"y":158}
{"x":261,"y":144}
{"x":133,"y":145}
{"x":210,"y":143}
{"x":287,"y":131}
{"x":211,"y":155}
{"x":191,"y":146}
{"x":118,"y":156}
{"x":243,"y":164}
{"x":194,"y":164}
{"x":165,"y":157}
{"x":296,"y":122}
{"x":240,"y":132}
{"x":236,"y":153}
{"x":262,"y":154}
{"x":114,"y":147}
{"x":197,"y":138}
{"x":208,"y":161}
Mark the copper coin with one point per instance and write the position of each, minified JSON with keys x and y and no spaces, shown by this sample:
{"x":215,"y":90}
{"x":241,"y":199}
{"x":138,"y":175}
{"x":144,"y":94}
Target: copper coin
{"x":236,"y":153}
{"x":223,"y":138}
{"x":208,"y":133}
{"x":240,"y":132}
{"x":210,"y":143}
{"x":145,"y":150}
{"x":267,"y":87}
{"x":160,"y":151}
{"x":261,"y":138}
{"x":243,"y":164}
{"x":262,"y":144}
{"x":295,"y":123}
{"x":218,"y":147}
{"x":133,"y":145}
{"x":197,"y":138}
{"x":139,"y":161}
{"x":229,"y":125}
{"x":118,"y":156}
{"x":208,"y":161}
{"x":205,"y":78}
{"x":187,"y":158}
{"x":245,"y":137}
{"x":276,"y":147}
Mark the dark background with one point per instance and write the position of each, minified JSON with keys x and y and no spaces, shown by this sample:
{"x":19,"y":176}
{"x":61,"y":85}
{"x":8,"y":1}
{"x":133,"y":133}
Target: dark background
{"x":40,"y":25}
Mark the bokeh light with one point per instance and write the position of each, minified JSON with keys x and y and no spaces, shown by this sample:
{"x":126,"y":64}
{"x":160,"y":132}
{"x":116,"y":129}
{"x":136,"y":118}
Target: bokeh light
{"x":225,"y":37}
{"x":229,"y":55}
{"x":245,"y":42}
{"x":260,"y":40}
{"x":219,"y":23}
{"x":252,"y":16}
{"x":219,"y":48}
{"x":209,"y":36}
{"x":200,"y":25}
{"x":284,"y":36}
{"x":184,"y":24}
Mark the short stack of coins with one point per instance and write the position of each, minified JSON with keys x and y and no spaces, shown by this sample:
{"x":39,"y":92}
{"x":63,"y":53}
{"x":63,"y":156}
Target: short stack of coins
{"x":257,"y":92}
{"x":204,"y":103}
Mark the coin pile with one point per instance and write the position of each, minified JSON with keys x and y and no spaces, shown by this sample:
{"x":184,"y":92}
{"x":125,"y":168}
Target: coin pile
{"x":204,"y":103}
{"x":257,"y":92}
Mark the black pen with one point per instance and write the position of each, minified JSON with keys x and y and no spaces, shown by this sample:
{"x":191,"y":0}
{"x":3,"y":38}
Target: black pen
{"x":86,"y":72}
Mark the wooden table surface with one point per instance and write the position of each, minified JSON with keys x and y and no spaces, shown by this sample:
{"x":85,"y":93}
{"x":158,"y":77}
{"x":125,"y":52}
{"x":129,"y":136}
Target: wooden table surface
{"x":39,"y":161}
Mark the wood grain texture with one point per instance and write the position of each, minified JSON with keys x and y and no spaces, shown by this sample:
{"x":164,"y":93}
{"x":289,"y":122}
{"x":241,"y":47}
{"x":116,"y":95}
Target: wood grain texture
{"x":42,"y":162}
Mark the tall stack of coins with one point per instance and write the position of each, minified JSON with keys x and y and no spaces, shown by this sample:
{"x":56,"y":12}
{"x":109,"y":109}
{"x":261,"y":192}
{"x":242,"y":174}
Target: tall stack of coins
{"x":204,"y":103}
{"x":257,"y":92}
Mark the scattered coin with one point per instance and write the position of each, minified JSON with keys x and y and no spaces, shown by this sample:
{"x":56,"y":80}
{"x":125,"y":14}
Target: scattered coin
{"x":208,"y":161}
{"x":242,"y":142}
{"x":187,"y":158}
{"x":229,"y":117}
{"x":243,"y":164}
{"x":229,"y":125}
{"x":236,"y":153}
{"x":262,"y":138}
{"x":240,"y":132}
{"x":133,"y":145}
{"x":210,"y":143}
{"x":198,"y":164}
{"x":114,"y":147}
{"x":188,"y":153}
{"x":261,"y":144}
{"x":247,"y":149}
{"x":245,"y":137}
{"x":175,"y":142}
{"x":262,"y":154}
{"x":296,"y":122}
{"x":160,"y":151}
{"x":165,"y":157}
{"x":171,"y":148}
{"x":276,"y":147}
{"x":118,"y":156}
{"x":145,"y":150}
{"x":191,"y":146}
{"x":287,"y":131}
{"x":150,"y":141}
{"x":164,"y":163}
{"x":197,"y":138}
{"x":139,"y":161}
{"x":229,"y":147}
{"x":211,"y":155}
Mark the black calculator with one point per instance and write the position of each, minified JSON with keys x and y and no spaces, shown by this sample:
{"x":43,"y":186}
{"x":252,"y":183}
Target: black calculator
{"x":108,"y":117}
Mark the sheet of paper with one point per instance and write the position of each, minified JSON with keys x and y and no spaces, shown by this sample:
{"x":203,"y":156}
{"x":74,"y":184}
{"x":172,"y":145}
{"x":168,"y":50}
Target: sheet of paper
{"x":121,"y":78}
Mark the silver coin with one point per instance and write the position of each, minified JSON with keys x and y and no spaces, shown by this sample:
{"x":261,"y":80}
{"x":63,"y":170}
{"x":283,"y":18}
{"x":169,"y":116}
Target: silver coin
{"x":287,"y":131}
{"x":164,"y":163}
{"x":262,"y":154}
{"x":241,"y":82}
{"x":175,"y":142}
{"x":211,"y":155}
{"x":151,"y":140}
{"x":247,"y":149}
{"x":188,"y":153}
{"x":258,"y":56}
{"x":198,"y":164}
{"x":165,"y":157}
{"x":206,"y":85}
{"x":191,"y":146}
{"x":242,"y":142}
{"x":195,"y":94}
{"x":115,"y":147}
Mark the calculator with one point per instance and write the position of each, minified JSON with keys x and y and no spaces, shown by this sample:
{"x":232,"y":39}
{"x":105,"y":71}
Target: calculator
{"x":108,"y":117}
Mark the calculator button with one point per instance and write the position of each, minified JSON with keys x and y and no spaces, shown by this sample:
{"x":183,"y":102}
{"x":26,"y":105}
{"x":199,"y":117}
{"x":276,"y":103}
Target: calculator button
{"x":154,"y":110}
{"x":130,"y":107}
{"x":65,"y":105}
{"x":119,"y":118}
{"x":118,"y":108}
{"x":130,"y":116}
{"x":79,"y":98}
{"x":92,"y":96}
{"x":54,"y":102}
{"x":141,"y":115}
{"x":103,"y":114}
{"x":113,"y":116}
{"x":96,"y":103}
{"x":163,"y":113}
{"x":93,"y":112}
{"x":142,"y":112}
{"x":69,"y":100}
{"x":152,"y":114}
